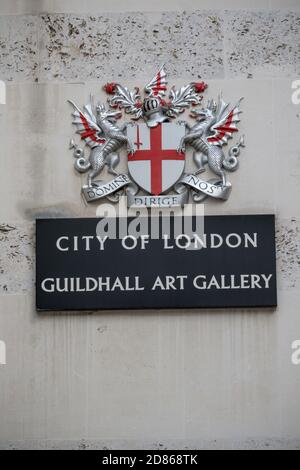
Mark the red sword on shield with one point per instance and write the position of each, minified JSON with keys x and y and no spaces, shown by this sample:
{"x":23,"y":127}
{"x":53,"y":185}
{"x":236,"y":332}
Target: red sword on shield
{"x":138,"y":143}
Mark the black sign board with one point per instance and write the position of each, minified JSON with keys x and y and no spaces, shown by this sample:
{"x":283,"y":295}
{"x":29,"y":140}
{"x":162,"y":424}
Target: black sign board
{"x":231,"y":264}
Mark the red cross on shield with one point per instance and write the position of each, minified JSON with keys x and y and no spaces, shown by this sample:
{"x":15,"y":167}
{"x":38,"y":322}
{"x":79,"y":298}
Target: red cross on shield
{"x":156,"y":165}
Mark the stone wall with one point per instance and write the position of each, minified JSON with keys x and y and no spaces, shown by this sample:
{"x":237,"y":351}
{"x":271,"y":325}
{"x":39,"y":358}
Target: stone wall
{"x":158,"y":379}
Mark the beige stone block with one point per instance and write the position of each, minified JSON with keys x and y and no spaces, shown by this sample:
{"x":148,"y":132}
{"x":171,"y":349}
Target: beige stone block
{"x":18,"y":48}
{"x":286,"y":160}
{"x":292,"y":5}
{"x":86,"y":47}
{"x":289,"y":384}
{"x":98,"y":6}
{"x":262,"y":44}
{"x":44,"y":383}
{"x":134,"y":367}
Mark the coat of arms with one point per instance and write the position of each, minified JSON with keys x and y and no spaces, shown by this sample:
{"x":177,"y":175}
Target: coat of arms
{"x":156,"y":144}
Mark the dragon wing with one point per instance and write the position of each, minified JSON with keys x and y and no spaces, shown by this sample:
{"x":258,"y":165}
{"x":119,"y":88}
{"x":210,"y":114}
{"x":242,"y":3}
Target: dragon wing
{"x":124,"y":98}
{"x":87,"y":126}
{"x":226,"y":123}
{"x":158,"y":85}
{"x":185,"y":97}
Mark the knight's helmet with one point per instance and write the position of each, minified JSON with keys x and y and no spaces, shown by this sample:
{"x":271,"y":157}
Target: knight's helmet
{"x":153,"y":111}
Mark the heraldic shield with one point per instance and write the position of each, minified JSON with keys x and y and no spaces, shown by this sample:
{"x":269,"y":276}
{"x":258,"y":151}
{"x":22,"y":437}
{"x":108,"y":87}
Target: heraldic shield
{"x":156,"y":164}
